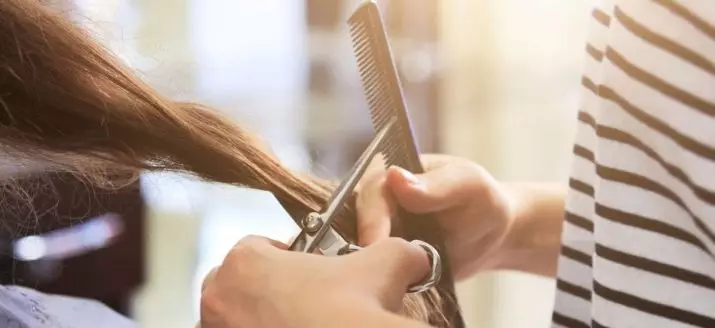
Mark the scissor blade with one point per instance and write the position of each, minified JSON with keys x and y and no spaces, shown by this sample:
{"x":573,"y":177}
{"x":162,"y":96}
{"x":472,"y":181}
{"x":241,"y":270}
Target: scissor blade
{"x":345,"y":189}
{"x":331,"y":243}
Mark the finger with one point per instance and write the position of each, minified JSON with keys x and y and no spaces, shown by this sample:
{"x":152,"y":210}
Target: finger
{"x":443,"y":188}
{"x":260,"y":242}
{"x":377,"y":165}
{"x":398,"y":264}
{"x":432,"y":162}
{"x":376,"y":204}
{"x":250,"y":252}
{"x":375,"y":208}
{"x":374,"y":169}
{"x":209,"y":278}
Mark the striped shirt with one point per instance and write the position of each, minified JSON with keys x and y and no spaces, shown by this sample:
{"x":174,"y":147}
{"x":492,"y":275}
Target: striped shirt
{"x":639,"y":234}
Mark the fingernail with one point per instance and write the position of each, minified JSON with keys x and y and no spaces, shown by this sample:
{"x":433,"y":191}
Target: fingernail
{"x":411,"y":178}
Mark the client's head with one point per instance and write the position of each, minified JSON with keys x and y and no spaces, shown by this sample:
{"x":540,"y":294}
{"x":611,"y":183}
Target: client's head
{"x":66,"y":101}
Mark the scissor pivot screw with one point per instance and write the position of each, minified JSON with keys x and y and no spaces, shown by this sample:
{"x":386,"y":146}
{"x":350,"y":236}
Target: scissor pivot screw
{"x":312,"y":223}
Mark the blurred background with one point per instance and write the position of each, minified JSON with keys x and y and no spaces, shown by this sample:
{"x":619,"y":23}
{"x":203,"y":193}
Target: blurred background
{"x":493,"y":81}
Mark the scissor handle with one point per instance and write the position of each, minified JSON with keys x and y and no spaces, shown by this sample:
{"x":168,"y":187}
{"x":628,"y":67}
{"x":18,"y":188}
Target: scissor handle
{"x":435,"y":265}
{"x":435,"y":268}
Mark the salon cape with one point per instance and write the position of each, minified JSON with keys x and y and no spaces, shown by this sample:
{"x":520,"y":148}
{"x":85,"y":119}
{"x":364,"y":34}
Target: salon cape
{"x":26,"y":308}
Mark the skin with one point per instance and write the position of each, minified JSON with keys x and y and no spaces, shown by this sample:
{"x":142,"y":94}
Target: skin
{"x":261,"y":284}
{"x":487,"y":225}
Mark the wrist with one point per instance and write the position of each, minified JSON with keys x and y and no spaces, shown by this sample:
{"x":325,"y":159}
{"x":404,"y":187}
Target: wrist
{"x":533,"y":241}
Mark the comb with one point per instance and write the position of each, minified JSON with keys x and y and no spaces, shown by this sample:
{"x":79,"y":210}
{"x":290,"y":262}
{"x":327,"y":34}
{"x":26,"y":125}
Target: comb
{"x":383,"y":92}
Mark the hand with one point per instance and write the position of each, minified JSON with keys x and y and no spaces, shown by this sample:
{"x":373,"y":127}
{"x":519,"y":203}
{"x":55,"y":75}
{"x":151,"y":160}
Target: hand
{"x":260,"y":284}
{"x":474,"y":210}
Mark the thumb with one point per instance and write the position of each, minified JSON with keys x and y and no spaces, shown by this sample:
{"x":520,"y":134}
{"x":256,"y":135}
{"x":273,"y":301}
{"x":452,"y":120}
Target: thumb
{"x":440,"y":189}
{"x":395,"y":264}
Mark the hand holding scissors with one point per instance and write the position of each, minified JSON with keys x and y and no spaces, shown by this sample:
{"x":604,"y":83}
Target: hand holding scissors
{"x":258,"y":268}
{"x":318,"y":234}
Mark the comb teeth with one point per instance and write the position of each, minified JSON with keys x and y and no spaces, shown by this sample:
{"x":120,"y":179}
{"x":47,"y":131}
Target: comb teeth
{"x":381,"y":86}
{"x":393,"y":153}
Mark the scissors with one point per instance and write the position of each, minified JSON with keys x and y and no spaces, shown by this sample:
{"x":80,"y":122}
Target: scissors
{"x":317,"y":233}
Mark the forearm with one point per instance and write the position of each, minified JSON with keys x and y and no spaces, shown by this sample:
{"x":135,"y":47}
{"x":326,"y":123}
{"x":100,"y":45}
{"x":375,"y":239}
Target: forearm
{"x":534,"y":240}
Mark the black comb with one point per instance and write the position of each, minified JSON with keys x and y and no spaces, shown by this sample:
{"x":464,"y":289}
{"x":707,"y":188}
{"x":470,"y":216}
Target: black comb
{"x":383,"y":91}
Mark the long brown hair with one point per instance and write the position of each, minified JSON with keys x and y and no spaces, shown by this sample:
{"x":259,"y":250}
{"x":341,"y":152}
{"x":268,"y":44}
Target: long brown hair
{"x":68,"y":102}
